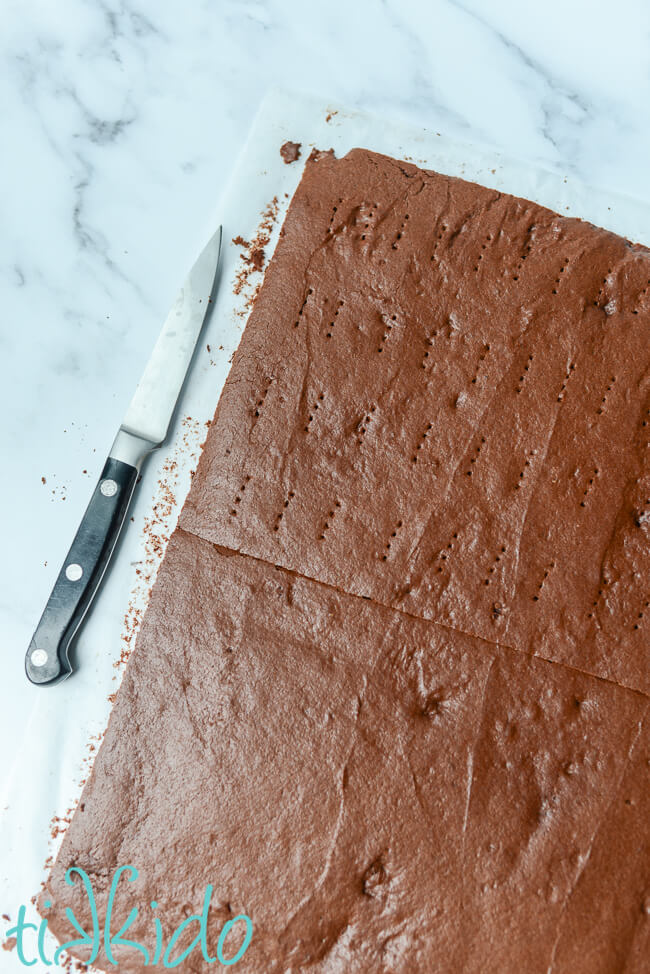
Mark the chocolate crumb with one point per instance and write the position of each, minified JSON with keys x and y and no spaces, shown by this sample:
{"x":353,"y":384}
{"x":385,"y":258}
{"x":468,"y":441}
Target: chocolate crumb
{"x":254,"y":255}
{"x":256,"y":258}
{"x":290,"y":151}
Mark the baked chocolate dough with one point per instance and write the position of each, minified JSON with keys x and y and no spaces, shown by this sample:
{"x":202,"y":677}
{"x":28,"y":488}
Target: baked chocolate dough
{"x":442,"y":401}
{"x":378,"y":793}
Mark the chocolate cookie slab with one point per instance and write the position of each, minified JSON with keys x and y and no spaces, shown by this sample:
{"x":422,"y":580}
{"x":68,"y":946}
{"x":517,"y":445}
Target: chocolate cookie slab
{"x":442,"y":401}
{"x":612,"y":892}
{"x":376,"y":792}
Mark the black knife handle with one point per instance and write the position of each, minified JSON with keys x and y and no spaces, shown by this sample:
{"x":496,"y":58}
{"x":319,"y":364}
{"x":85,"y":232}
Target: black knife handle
{"x":47,"y":660}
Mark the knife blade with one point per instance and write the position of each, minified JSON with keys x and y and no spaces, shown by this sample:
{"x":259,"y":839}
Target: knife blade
{"x":143,"y":429}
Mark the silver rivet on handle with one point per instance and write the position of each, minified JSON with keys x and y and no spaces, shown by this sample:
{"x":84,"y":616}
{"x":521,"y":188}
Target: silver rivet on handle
{"x":108,"y":487}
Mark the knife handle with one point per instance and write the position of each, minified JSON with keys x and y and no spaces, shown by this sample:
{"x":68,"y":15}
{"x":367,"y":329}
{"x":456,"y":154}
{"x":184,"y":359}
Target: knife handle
{"x":46,"y":661}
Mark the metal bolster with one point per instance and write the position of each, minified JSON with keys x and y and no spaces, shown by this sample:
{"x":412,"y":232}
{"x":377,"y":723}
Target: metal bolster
{"x":130,"y":448}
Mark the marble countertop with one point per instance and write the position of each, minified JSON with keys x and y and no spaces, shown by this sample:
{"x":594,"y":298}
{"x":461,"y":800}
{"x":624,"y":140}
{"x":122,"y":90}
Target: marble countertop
{"x":121,"y":121}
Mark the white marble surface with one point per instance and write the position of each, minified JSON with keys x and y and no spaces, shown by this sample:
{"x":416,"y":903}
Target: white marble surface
{"x":120,"y":123}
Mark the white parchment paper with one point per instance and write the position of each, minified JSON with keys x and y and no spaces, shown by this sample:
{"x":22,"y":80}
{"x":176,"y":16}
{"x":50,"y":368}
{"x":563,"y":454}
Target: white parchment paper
{"x":42,"y":775}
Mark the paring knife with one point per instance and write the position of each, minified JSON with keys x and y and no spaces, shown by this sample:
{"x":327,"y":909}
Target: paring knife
{"x":144,"y":428}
